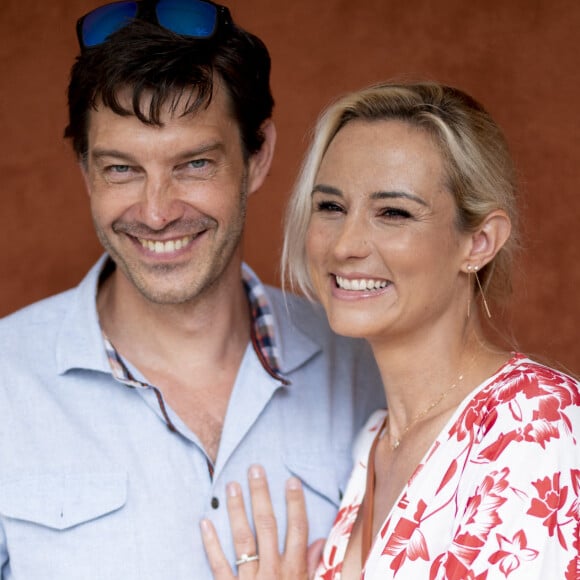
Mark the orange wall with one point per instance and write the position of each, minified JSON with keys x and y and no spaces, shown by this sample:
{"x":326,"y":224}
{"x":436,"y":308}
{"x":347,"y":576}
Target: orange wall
{"x":520,"y":58}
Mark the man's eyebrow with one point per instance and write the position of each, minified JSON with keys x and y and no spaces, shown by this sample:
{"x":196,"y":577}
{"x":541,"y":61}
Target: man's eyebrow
{"x":206,"y":148}
{"x":99,"y":153}
{"x":330,"y":190}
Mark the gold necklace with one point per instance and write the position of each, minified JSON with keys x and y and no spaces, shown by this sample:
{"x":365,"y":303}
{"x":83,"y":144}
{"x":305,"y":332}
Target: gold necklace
{"x":423,"y":413}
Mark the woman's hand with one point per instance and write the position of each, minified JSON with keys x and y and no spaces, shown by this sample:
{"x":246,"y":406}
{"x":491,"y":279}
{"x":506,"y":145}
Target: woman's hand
{"x":291,"y":565}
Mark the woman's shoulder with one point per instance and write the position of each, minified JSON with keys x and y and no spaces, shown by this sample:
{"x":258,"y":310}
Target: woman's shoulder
{"x":530,"y":379}
{"x":520,"y":361}
{"x":523,"y":401}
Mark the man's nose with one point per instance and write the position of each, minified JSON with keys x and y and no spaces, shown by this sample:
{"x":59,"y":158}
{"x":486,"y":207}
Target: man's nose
{"x":160,"y":202}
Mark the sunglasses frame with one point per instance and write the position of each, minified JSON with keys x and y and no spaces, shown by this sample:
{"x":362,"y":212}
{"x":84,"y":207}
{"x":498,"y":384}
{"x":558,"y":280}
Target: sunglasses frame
{"x":147,"y":11}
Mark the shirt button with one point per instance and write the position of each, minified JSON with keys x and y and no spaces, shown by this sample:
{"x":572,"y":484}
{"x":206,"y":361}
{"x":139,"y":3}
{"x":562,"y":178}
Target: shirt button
{"x":215,"y":503}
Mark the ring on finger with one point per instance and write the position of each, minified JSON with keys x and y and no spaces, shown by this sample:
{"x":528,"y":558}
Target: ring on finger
{"x":245,"y":558}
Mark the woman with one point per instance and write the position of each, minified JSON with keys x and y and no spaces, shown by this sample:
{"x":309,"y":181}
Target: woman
{"x":402,"y":221}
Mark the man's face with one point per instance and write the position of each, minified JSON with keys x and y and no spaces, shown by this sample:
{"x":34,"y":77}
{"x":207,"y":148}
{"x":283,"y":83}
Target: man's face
{"x":169,"y":202}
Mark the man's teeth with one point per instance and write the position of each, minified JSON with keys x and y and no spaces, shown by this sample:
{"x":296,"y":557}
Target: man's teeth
{"x":361,"y":284}
{"x":165,"y":247}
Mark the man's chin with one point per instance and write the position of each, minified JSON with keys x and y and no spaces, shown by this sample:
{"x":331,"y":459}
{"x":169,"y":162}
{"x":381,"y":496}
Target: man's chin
{"x":160,"y":285}
{"x":166,"y":296}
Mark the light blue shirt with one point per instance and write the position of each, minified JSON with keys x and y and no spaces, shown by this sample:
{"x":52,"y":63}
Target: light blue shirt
{"x":95,"y":485}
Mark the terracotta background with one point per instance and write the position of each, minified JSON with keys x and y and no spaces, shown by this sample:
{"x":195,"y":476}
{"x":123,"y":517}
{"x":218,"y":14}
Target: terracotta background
{"x":519,"y":57}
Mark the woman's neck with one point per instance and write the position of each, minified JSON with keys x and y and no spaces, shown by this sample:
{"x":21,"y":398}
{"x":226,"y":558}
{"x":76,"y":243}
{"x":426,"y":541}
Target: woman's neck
{"x":425,"y":376}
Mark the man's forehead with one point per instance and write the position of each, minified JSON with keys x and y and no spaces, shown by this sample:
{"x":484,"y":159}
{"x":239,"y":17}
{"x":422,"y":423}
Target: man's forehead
{"x":169,"y":133}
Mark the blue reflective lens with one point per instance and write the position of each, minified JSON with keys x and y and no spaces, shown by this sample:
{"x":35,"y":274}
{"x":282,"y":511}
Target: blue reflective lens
{"x":102,"y":22}
{"x":187,"y":18}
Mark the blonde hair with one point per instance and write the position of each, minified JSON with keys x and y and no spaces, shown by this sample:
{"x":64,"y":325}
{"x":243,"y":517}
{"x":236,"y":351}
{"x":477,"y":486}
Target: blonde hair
{"x":480,"y":172}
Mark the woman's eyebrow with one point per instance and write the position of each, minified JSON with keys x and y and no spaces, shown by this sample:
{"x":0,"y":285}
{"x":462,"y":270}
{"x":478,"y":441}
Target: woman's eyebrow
{"x":321,"y":188}
{"x":398,"y":194}
{"x":330,"y":190}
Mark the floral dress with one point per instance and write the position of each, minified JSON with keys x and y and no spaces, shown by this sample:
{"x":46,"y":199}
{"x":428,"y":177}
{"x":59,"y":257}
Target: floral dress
{"x":496,"y":495}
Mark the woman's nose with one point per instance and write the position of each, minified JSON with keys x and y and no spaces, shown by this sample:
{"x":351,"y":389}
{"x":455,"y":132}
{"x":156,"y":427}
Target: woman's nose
{"x":353,"y":239}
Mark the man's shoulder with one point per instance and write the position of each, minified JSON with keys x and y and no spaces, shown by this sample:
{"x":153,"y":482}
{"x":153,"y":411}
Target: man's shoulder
{"x":39,"y":319}
{"x":295,"y":315}
{"x":295,"y":312}
{"x":292,"y":303}
{"x":48,"y":314}
{"x":346,"y":363}
{"x":38,"y":313}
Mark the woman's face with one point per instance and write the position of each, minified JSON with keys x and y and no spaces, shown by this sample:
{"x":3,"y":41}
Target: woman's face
{"x":384,"y":251}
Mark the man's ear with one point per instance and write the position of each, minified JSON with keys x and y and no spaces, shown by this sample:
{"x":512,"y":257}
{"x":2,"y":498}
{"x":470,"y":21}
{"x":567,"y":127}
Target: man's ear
{"x":488,"y":239}
{"x":259,"y":163}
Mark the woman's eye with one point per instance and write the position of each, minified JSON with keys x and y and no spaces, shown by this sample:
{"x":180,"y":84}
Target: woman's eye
{"x":328,"y":206}
{"x":395,"y":213}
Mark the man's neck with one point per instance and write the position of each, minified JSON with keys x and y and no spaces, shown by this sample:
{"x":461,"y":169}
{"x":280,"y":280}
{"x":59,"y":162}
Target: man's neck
{"x":190,"y":352}
{"x":213,"y":329}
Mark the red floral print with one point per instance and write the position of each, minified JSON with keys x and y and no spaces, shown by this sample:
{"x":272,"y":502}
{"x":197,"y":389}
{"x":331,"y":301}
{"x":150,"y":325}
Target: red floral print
{"x":551,"y":500}
{"x":496,"y":496}
{"x":407,"y":541}
{"x":343,"y":525}
{"x":512,"y":553}
{"x":481,"y":514}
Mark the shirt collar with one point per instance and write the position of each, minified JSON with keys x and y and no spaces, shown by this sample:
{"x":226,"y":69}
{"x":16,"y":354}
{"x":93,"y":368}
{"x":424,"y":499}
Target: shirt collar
{"x":80,"y":345}
{"x":262,"y":334}
{"x":262,"y":331}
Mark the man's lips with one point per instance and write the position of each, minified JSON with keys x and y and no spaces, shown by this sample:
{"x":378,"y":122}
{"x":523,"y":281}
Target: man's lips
{"x":174,"y":237}
{"x":166,"y":247}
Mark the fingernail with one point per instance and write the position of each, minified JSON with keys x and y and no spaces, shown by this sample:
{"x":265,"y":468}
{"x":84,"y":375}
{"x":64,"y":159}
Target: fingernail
{"x":233,"y":489}
{"x":205,"y":527}
{"x":256,"y":472}
{"x":294,"y":484}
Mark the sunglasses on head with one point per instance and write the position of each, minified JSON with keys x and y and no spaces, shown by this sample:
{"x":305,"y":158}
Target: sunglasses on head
{"x":193,"y":18}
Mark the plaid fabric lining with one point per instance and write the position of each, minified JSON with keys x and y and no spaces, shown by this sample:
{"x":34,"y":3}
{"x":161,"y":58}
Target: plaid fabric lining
{"x":263,"y":337}
{"x":118,"y":368}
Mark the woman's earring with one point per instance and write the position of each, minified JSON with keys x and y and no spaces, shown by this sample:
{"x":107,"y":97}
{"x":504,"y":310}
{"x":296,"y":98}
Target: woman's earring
{"x":469,"y":272}
{"x":487,"y":311}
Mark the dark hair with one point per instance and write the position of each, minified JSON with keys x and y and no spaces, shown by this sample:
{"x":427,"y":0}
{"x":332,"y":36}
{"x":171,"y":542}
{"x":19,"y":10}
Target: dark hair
{"x":154,"y":62}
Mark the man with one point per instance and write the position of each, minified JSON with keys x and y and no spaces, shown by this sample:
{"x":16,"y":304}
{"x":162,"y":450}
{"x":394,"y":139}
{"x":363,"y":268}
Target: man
{"x":129,"y":402}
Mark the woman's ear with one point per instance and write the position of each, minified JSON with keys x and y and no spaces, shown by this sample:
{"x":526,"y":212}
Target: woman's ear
{"x":259,"y":163}
{"x":488,"y":239}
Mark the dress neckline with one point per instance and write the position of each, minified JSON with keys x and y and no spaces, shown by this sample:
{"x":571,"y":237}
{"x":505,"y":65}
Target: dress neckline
{"x":367,"y":501}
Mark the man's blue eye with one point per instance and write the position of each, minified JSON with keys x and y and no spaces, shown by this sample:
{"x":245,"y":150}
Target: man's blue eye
{"x":198,"y":163}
